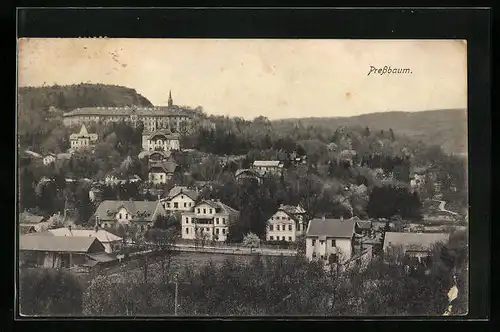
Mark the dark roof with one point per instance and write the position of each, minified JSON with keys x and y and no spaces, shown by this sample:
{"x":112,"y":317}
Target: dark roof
{"x":159,"y":111}
{"x":364,"y":224}
{"x":140,"y":210}
{"x":331,"y":228}
{"x":291,"y":209}
{"x":45,"y":242}
{"x":164,"y":132}
{"x":166,"y":166}
{"x":28,"y":218}
{"x":414,"y":241}
{"x":247,"y":171}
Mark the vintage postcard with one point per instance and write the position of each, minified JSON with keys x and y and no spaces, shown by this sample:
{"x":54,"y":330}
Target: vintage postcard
{"x":242,"y":177}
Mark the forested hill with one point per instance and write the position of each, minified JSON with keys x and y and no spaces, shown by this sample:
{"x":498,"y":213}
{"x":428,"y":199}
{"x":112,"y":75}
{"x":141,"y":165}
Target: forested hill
{"x":69,"y":97}
{"x":447,"y":128}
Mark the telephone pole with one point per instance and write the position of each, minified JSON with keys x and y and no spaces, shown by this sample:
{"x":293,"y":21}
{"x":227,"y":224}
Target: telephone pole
{"x":175,"y":297}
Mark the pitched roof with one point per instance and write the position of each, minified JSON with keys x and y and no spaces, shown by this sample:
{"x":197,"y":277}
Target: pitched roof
{"x":166,"y":166}
{"x":140,"y":210}
{"x":164,"y":132}
{"x":364,"y":224}
{"x":46,"y":242}
{"x":158,"y":111}
{"x":219,"y":206}
{"x":28,"y":218}
{"x":414,"y":241}
{"x":243,"y":171}
{"x":267,"y":163}
{"x":102,"y":235}
{"x":102,"y":257}
{"x":193,"y":194}
{"x":331,"y":228}
{"x":292,"y":209}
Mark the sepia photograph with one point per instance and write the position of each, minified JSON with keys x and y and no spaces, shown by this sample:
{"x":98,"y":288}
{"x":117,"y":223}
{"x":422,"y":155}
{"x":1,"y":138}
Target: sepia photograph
{"x":242,"y":177}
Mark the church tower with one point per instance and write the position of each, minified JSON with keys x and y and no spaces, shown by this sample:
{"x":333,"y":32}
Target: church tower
{"x":170,"y":101}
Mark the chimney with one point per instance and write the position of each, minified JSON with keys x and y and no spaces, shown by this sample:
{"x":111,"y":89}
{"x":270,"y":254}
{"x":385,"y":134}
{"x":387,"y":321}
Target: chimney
{"x":96,"y":228}
{"x":69,"y":229}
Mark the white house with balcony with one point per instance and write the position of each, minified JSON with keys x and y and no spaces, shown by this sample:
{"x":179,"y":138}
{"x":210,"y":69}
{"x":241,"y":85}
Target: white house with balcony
{"x":286,"y":224}
{"x":180,"y":198}
{"x":265,"y":167}
{"x":327,"y":237}
{"x":161,"y":140}
{"x":208,"y":220}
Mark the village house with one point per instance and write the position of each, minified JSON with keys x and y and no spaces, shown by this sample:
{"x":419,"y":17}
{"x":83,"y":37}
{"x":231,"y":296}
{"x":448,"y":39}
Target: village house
{"x":160,"y":140}
{"x":49,"y":159}
{"x":247,"y":174}
{"x":180,"y":198}
{"x":265,"y":167}
{"x":286,"y":224}
{"x":326,"y":237}
{"x":82,"y":140}
{"x":208,"y":219}
{"x":161,"y":173}
{"x":153,"y":118}
{"x":418,"y":245}
{"x":111,"y":214}
{"x":49,"y":251}
{"x":110,"y":241}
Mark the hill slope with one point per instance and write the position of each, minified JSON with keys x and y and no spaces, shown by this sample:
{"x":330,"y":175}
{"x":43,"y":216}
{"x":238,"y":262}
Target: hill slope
{"x":69,"y":97}
{"x":447,"y":128}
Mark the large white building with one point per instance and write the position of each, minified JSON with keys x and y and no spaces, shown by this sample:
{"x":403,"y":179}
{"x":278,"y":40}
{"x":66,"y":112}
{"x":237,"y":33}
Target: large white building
{"x":82,"y":140}
{"x":209,"y":219}
{"x":286,"y":224}
{"x":268,"y":167}
{"x":180,"y":198}
{"x":160,"y":140}
{"x":327,"y":237}
{"x":153,"y":118}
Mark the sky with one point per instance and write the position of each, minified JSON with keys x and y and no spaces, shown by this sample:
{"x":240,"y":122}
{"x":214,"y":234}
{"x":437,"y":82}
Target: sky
{"x":276,"y":78}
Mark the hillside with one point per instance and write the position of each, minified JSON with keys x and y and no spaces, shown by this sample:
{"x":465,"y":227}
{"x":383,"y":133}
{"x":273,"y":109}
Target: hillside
{"x":446,"y":128}
{"x":69,"y":97}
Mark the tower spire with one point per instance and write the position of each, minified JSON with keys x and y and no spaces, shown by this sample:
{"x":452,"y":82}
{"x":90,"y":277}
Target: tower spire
{"x":170,"y":101}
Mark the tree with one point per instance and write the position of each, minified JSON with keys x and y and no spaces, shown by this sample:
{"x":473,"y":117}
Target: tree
{"x":251,"y":241}
{"x":45,"y":292}
{"x":163,"y":242}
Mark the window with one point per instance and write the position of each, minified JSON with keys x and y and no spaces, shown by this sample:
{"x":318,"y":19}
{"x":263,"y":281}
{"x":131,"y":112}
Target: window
{"x":282,"y":238}
{"x":289,"y":238}
{"x":187,"y":220}
{"x":334,"y":244}
{"x":176,"y":205}
{"x":224,"y":221}
{"x":187,"y":230}
{"x":216,"y":231}
{"x":161,"y":176}
{"x":198,"y":210}
{"x":270,"y":227}
{"x":314,"y":255}
{"x":321,"y":242}
{"x":271,"y":238}
{"x":313,"y":242}
{"x":223,"y":231}
{"x":298,"y":227}
{"x":168,"y":204}
{"x":185,"y":204}
{"x":189,"y":204}
{"x":204,"y":211}
{"x":321,"y":257}
{"x":182,"y":197}
{"x":211,"y":210}
{"x":120,"y":216}
{"x":289,"y":227}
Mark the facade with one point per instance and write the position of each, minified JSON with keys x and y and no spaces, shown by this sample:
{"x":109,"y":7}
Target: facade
{"x":327,"y":237}
{"x":208,"y":220}
{"x":49,"y":159}
{"x":180,"y":199}
{"x":110,"y":241}
{"x":161,"y":173}
{"x":156,"y":156}
{"x":265,"y":167}
{"x":286,"y":224}
{"x":418,"y":245}
{"x":49,"y":251}
{"x":161,"y":140}
{"x":111,"y":214}
{"x":82,"y":140}
{"x":153,"y":118}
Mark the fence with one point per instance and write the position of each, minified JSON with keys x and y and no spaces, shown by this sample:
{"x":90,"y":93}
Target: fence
{"x":218,"y":244}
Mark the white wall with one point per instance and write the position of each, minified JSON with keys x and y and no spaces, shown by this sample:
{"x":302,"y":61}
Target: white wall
{"x":184,"y":203}
{"x":342,"y":247}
